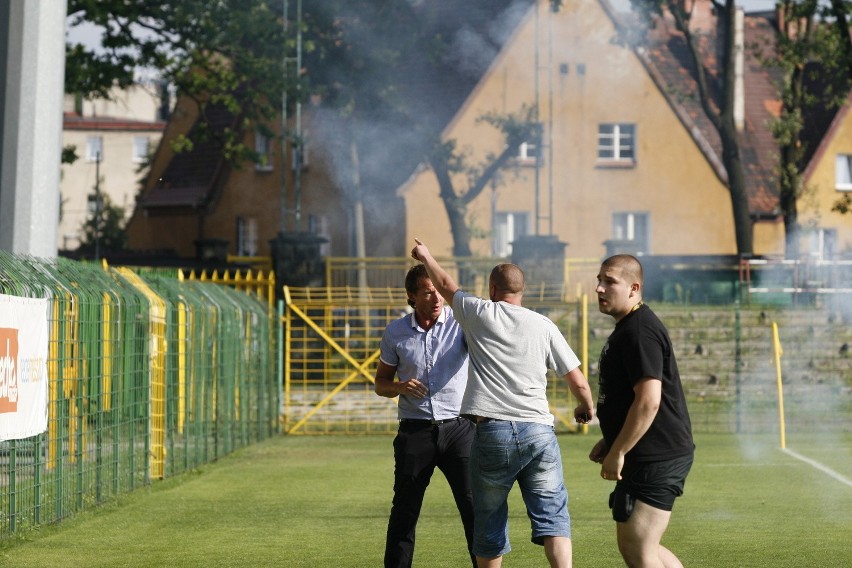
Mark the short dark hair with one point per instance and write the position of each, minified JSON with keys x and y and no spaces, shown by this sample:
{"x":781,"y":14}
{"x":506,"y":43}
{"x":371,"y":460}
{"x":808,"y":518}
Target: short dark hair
{"x":629,"y":265}
{"x":412,"y":279}
{"x":508,"y":278}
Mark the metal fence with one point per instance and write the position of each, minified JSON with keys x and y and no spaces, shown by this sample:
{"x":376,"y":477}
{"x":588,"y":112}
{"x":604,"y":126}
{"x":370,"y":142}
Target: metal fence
{"x":724,"y":353}
{"x":149,"y":376}
{"x":331,"y":348}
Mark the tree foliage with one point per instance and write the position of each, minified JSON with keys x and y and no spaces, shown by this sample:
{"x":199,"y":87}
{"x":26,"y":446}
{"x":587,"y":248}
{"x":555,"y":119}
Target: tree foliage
{"x":452,"y":164}
{"x":814,"y":56}
{"x":227,"y":52}
{"x":104,"y":229}
{"x":713,"y":74}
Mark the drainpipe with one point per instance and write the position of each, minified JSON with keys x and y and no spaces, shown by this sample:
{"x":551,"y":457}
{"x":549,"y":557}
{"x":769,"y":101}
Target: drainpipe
{"x":739,"y":65}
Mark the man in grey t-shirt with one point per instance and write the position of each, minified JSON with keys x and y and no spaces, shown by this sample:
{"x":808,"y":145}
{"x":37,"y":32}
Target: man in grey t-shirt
{"x":511,"y":348}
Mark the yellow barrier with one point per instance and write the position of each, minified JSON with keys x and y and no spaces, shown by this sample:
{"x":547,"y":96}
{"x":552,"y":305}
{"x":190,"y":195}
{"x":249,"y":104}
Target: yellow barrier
{"x":331,"y":348}
{"x":777,"y":352}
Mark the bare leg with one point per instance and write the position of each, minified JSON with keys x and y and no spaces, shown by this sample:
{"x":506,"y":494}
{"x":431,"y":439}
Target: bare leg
{"x":557,"y":549}
{"x":668,"y":558}
{"x":639,"y":538}
{"x":495,"y":562}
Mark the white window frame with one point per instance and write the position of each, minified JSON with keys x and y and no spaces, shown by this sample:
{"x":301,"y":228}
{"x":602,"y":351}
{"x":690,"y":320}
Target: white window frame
{"x":140,"y":152}
{"x":528,"y":152}
{"x":843,"y":172}
{"x":617,"y":143}
{"x":94,"y":146}
{"x":821,"y":243}
{"x":263,"y":147}
{"x":626,"y":228}
{"x":507,"y":227}
{"x":246,"y":236}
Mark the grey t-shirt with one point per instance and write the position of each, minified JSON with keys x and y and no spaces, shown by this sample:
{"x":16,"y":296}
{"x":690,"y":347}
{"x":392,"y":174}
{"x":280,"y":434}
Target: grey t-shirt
{"x":511,"y":348}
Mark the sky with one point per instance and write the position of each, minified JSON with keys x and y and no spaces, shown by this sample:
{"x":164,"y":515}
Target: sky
{"x":89,"y":35}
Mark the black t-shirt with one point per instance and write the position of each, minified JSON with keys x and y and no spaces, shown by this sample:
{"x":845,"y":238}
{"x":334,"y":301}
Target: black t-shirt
{"x":640,"y":347}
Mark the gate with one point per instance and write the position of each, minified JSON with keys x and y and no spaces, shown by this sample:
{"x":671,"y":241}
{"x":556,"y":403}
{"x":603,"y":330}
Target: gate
{"x":331,"y":342}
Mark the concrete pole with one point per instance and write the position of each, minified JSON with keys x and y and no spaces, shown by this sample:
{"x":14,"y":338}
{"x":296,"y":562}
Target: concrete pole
{"x":32,"y":78}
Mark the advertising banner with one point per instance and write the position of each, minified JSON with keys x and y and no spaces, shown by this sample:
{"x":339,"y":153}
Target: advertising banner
{"x":23,"y":367}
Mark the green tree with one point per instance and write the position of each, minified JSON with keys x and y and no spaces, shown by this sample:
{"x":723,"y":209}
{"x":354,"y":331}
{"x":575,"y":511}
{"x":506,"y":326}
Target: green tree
{"x":447,"y":161}
{"x":720,"y":110}
{"x":814,"y":64}
{"x":369,"y":66}
{"x":104,"y":229}
{"x":228,"y":52}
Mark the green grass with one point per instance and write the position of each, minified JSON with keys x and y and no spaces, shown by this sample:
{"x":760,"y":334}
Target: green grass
{"x":323,"y":501}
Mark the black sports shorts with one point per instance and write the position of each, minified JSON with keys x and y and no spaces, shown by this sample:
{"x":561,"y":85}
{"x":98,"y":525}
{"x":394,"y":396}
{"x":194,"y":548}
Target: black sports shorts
{"x":656,"y":483}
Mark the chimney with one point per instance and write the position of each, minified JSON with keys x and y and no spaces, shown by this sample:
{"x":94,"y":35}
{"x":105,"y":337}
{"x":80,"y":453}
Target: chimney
{"x":739,"y":58}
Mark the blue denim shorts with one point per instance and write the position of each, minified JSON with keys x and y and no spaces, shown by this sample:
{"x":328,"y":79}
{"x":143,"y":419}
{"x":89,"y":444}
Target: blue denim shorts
{"x":504,"y":452}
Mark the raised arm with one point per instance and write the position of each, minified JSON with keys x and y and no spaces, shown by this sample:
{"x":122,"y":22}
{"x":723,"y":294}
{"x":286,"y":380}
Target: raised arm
{"x":443,"y":282}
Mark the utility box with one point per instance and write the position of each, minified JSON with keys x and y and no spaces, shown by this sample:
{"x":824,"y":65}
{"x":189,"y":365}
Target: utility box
{"x":542,"y":258}
{"x":296,"y":259}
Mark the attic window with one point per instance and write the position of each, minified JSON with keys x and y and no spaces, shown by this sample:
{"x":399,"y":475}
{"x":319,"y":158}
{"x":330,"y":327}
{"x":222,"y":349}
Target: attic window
{"x":843,"y":172}
{"x":616,"y":145}
{"x":528,"y":152}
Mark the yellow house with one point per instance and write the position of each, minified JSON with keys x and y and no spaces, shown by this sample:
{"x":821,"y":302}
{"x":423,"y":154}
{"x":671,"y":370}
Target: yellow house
{"x":624,"y":164}
{"x":828,"y":179}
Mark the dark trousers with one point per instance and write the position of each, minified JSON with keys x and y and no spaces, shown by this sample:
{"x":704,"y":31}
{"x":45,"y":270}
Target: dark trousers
{"x":417,"y":449}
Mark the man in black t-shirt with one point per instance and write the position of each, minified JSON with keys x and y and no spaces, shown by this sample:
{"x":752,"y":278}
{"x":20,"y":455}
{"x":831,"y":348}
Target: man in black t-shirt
{"x":647,"y":446}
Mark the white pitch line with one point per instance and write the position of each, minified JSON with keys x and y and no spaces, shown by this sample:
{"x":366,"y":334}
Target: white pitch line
{"x":826,"y":470}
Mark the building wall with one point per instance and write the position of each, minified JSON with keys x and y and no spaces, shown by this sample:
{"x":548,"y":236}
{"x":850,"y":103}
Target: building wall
{"x":589,"y":80}
{"x":822,"y":193}
{"x":251,"y":193}
{"x":133,"y":113}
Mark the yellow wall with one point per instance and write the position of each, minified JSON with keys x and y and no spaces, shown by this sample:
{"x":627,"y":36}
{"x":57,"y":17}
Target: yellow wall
{"x":821,"y":195}
{"x":690,"y":209}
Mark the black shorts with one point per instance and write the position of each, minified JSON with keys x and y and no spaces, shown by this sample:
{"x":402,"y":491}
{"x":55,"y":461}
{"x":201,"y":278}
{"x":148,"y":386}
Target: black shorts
{"x":656,"y":483}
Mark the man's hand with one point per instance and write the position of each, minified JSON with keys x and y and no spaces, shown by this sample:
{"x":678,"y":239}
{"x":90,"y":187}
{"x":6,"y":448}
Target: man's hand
{"x":599,"y":452}
{"x":419,"y":252}
{"x":413,"y":388}
{"x":583,"y":414}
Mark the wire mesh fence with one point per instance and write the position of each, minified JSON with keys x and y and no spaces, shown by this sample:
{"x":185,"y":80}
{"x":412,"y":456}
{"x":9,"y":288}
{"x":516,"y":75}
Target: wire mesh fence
{"x":148,"y":376}
{"x":724,"y":354}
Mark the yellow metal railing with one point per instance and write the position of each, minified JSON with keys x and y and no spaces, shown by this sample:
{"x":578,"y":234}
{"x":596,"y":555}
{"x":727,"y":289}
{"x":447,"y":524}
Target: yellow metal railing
{"x":331,"y":339}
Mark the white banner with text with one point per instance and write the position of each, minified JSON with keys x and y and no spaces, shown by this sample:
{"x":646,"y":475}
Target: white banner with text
{"x":23,"y":367}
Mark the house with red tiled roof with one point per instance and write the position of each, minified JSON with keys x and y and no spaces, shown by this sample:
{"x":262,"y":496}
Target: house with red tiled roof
{"x":112,"y":140}
{"x":628,"y":162}
{"x":194,"y":198}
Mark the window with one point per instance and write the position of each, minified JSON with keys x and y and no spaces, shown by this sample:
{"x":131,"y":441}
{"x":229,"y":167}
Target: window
{"x":630,"y":231}
{"x":94,"y":149}
{"x":300,"y":153}
{"x":246,"y":236}
{"x":508,"y":226}
{"x":263,"y":147}
{"x":822,"y":243}
{"x":617,"y":143}
{"x":140,"y":149}
{"x":528,"y":152}
{"x":843,"y":172}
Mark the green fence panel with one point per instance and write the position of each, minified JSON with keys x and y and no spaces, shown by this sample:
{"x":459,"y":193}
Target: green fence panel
{"x":107,"y":338}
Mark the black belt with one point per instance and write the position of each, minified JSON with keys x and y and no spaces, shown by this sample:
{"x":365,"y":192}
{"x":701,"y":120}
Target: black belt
{"x":424,"y":422}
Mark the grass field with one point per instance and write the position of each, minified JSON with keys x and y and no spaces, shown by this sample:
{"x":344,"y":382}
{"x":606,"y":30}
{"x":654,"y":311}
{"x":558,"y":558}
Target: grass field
{"x":323,"y":501}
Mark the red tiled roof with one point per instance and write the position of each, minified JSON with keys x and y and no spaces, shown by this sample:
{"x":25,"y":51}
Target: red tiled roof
{"x":73,"y":121}
{"x":190,"y":178}
{"x":667,"y":59}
